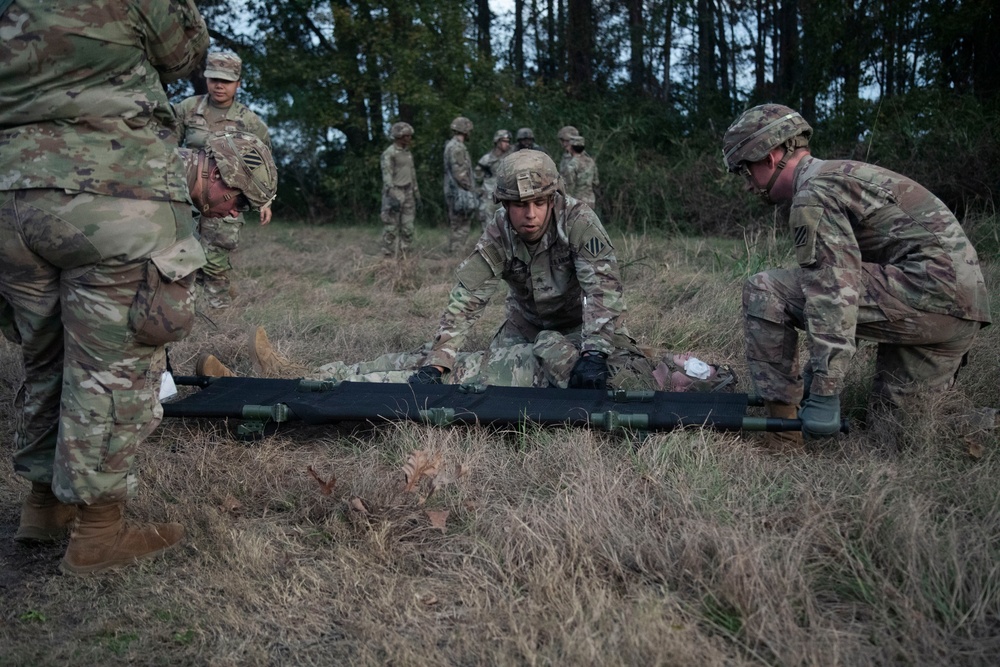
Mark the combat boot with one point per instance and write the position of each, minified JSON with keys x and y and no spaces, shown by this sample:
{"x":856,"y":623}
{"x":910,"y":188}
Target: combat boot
{"x":44,"y":518}
{"x":267,"y":363}
{"x":103,"y":540}
{"x":783,"y":441}
{"x":208,"y":365}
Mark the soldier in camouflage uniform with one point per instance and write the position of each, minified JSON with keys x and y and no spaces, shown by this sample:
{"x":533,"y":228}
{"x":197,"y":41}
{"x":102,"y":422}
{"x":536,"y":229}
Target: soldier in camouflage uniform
{"x":562,"y":275}
{"x":564,"y":135}
{"x":459,"y":184}
{"x":98,"y":256}
{"x":525,"y":139}
{"x":200,"y":116}
{"x":487,"y":178}
{"x":879,"y":258}
{"x":400,"y":193}
{"x":580,"y":173}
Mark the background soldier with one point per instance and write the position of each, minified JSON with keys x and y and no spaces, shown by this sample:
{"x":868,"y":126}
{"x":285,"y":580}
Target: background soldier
{"x":98,"y":255}
{"x":486,"y":175}
{"x":579,"y":173}
{"x":565,"y":294}
{"x":880,"y":258}
{"x":200,"y":116}
{"x":564,"y":135}
{"x":526,"y":141}
{"x":400,"y":193}
{"x":459,"y":186}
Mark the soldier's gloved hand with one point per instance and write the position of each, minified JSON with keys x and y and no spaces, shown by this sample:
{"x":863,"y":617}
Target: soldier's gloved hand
{"x":820,"y":416}
{"x":426,"y":375}
{"x":807,"y":380}
{"x":590,"y":371}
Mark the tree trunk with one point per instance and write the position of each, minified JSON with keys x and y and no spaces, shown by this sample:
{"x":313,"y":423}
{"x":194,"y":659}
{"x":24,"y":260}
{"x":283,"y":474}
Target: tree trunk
{"x":484,"y":20}
{"x":636,"y":30}
{"x":580,"y":45}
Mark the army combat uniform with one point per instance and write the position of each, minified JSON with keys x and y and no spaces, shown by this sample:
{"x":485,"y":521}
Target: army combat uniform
{"x":579,"y":174}
{"x":459,"y":192}
{"x":567,"y":283}
{"x":399,"y":198}
{"x":880,"y":259}
{"x":97,"y":242}
{"x":199,"y":119}
{"x":486,"y":175}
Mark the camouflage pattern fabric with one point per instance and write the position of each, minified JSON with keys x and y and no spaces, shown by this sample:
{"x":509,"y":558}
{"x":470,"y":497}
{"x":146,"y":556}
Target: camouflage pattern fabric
{"x":580,"y":177}
{"x":487,"y":179}
{"x":399,"y":199}
{"x":96,"y":234}
{"x":880,"y":258}
{"x":459,"y":191}
{"x":569,"y":283}
{"x":198,"y":119}
{"x":525,"y":146}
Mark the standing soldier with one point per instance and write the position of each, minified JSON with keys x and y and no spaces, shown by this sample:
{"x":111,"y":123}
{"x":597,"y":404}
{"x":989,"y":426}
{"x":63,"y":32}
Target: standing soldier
{"x":97,"y":256}
{"x":459,"y":186}
{"x":400,"y":193}
{"x":200,"y":116}
{"x":580,"y":173}
{"x":486,"y":175}
{"x":526,"y":141}
{"x":879,"y":258}
{"x":564,"y":135}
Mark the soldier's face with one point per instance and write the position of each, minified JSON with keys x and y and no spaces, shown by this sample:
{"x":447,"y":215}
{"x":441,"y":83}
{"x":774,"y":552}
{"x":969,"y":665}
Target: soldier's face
{"x":221,"y":91}
{"x":503,"y":145}
{"x":223,"y":200}
{"x":405,"y":141}
{"x":529,"y":218}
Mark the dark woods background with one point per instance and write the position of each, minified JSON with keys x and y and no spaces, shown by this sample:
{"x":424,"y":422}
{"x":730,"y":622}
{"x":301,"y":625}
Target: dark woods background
{"x":651,"y":84}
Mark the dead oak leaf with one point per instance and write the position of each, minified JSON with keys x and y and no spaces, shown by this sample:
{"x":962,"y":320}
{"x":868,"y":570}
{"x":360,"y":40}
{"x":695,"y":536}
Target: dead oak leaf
{"x":974,"y":447}
{"x":230,"y":505}
{"x":438,"y":518}
{"x":325,"y":487}
{"x":420,"y":464}
{"x":358,"y":504}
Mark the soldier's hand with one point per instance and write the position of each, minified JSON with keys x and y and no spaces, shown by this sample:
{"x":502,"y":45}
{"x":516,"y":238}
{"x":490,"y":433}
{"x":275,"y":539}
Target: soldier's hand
{"x":820,"y":416}
{"x":426,"y":375}
{"x":590,"y":371}
{"x":265,"y":215}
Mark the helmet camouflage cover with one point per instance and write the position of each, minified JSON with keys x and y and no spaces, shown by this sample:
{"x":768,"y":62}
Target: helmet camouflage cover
{"x":760,"y":129}
{"x":225,"y":65}
{"x":526,"y":175}
{"x":245,"y":163}
{"x":461,"y":124}
{"x":577,"y":141}
{"x":501,"y":134}
{"x":400,"y":129}
{"x":567,"y":132}
{"x":525,"y":133}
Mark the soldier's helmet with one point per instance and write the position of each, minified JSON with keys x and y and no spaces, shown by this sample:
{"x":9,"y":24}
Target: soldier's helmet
{"x":245,"y":163}
{"x":525,"y":133}
{"x":400,"y":129}
{"x":499,"y":135}
{"x":576,"y":141}
{"x":760,"y":129}
{"x":462,"y":125}
{"x":526,"y":175}
{"x":224,"y":65}
{"x":567,"y":132}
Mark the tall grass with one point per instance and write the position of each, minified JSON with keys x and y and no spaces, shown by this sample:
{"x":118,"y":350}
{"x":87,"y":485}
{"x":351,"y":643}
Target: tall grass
{"x":561,"y":546}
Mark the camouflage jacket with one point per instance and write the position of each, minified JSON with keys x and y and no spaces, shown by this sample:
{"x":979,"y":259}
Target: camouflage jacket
{"x":850,"y":218}
{"x":569,"y":282}
{"x":105,"y":128}
{"x":579,"y":175}
{"x":486,"y":173}
{"x":457,"y":168}
{"x":194,"y":114}
{"x":398,"y":170}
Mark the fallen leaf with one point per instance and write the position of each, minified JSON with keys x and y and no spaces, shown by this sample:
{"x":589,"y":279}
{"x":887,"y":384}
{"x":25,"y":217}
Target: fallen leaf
{"x":428,"y":599}
{"x":438,"y":518}
{"x":974,"y":447}
{"x":420,"y":464}
{"x":231,"y":505}
{"x":326,"y":488}
{"x":359,"y":505}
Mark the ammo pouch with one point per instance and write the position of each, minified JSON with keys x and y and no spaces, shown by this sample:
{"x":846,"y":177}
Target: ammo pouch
{"x":163,"y":309}
{"x":221,"y":233}
{"x":465,"y":201}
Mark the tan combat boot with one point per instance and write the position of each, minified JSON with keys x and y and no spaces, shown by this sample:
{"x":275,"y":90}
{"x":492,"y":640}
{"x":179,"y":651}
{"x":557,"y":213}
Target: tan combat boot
{"x":208,"y":365}
{"x":44,"y":518}
{"x":102,"y":540}
{"x":783,"y":441}
{"x":267,"y":363}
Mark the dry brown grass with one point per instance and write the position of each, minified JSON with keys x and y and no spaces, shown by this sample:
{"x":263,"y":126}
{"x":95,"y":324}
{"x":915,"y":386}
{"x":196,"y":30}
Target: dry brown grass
{"x":562,"y":547}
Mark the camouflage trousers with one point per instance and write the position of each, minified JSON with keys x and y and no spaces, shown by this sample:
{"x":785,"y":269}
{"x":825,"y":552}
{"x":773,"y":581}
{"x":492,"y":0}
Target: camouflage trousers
{"x":397,"y":221}
{"x":459,"y":225}
{"x":219,"y":237}
{"x":487,"y":210}
{"x":917,"y":351}
{"x":81,"y":278}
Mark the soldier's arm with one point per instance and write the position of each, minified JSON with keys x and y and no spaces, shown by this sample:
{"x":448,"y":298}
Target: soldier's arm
{"x":386,"y":163}
{"x":599,"y":278}
{"x":177,"y":37}
{"x":830,"y":269}
{"x":459,"y":165}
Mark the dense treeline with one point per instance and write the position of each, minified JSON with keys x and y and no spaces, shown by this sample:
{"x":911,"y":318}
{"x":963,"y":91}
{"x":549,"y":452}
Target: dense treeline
{"x":652,"y":85}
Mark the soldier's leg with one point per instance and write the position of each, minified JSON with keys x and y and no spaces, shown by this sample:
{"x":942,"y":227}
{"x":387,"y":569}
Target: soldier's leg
{"x":219,"y":237}
{"x":407,"y":215}
{"x":772,"y":314}
{"x":557,"y":354}
{"x":390,"y":229}
{"x":460,"y":224}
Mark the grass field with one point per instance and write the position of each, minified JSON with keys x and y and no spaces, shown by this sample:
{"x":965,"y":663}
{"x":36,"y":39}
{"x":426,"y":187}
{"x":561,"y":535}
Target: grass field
{"x":558,"y":547}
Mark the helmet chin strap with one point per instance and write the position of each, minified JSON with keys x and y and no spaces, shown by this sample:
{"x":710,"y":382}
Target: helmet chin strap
{"x":765,"y":192}
{"x":205,"y":176}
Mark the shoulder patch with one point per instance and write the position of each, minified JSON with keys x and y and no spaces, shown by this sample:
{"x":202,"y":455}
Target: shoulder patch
{"x":595,"y":246}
